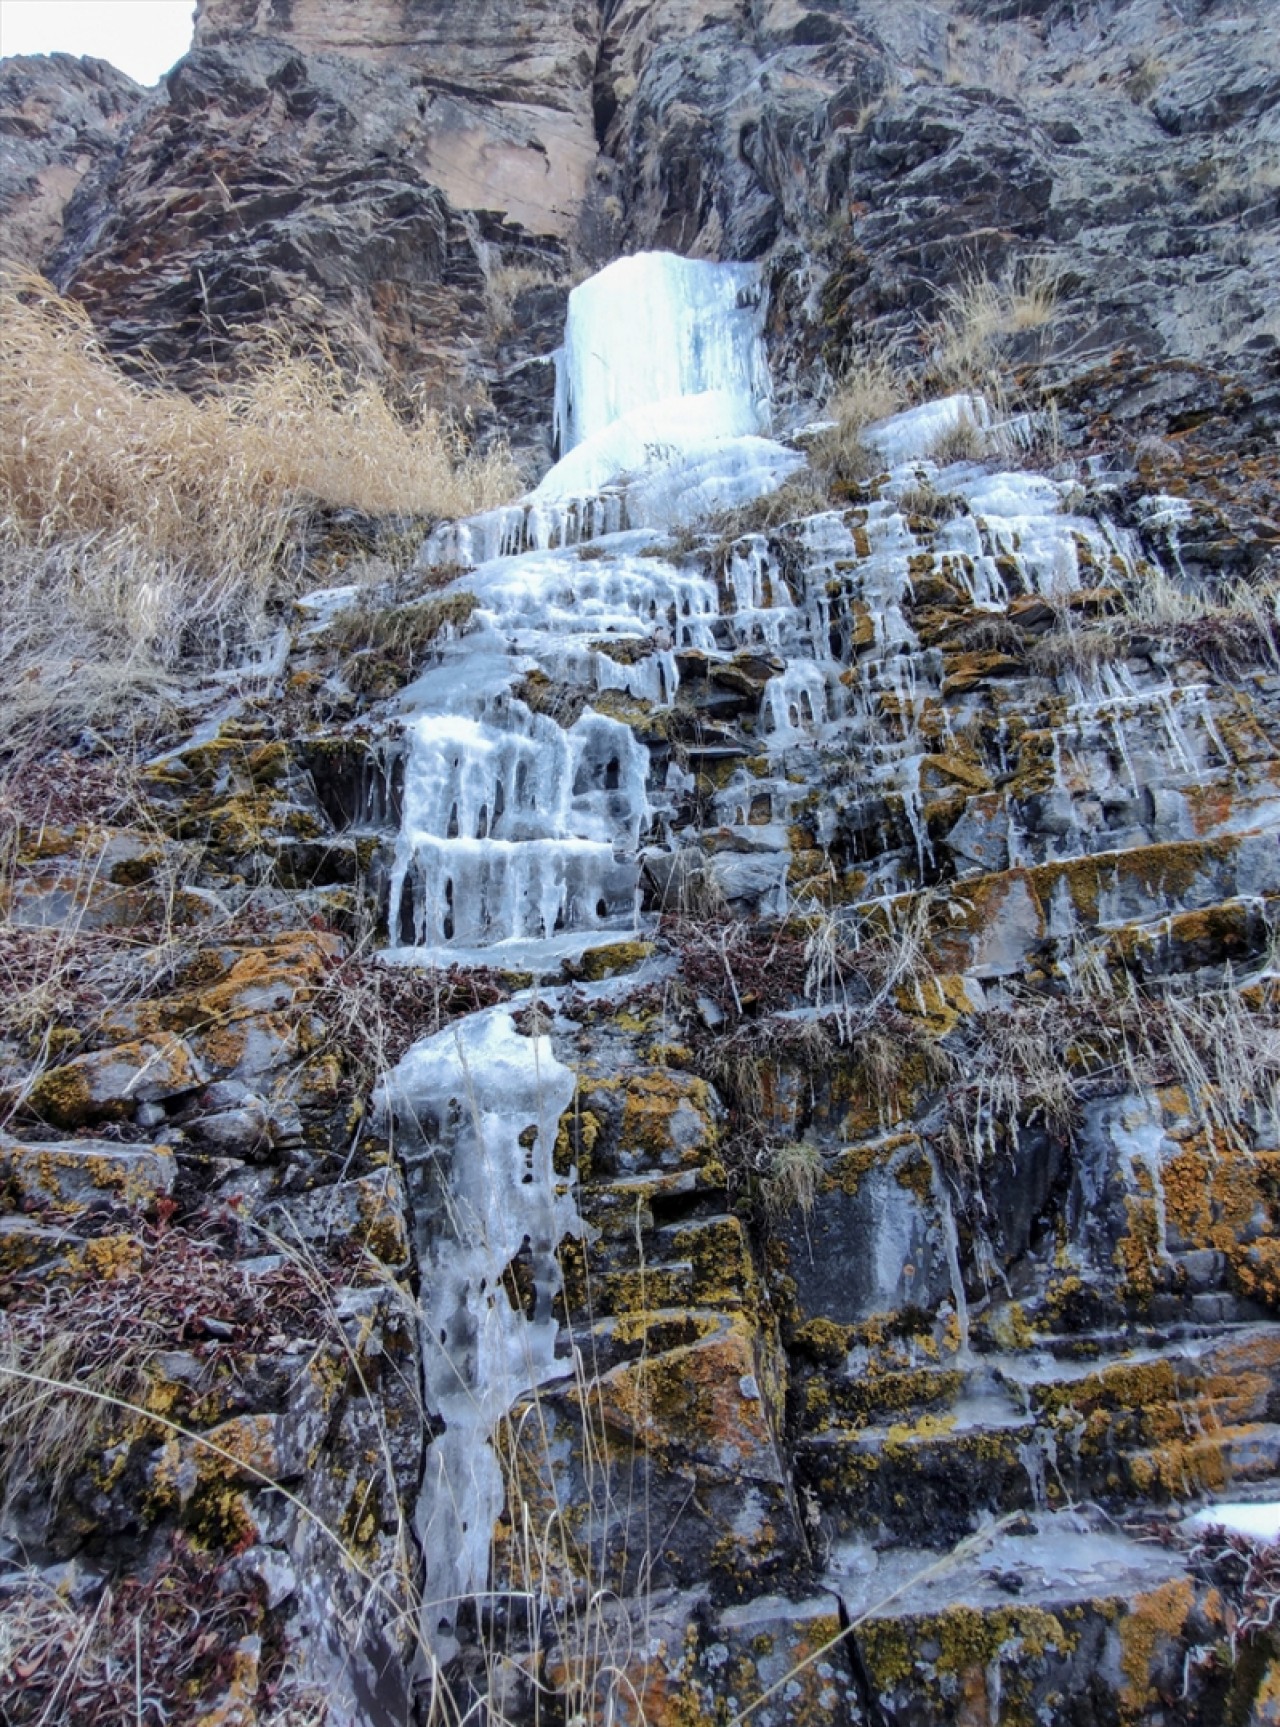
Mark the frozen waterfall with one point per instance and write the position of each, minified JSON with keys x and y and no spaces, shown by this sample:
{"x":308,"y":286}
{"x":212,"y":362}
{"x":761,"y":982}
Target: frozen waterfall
{"x":516,"y":828}
{"x":529,"y":800}
{"x":654,"y":334}
{"x":522,"y":827}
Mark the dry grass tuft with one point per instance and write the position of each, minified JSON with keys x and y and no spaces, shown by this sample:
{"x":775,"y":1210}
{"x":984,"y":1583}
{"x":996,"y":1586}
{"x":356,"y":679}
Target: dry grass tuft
{"x":139,"y":526}
{"x":507,"y":282}
{"x":961,"y":442}
{"x":791,"y":1182}
{"x":1082,"y":651}
{"x":870,"y":389}
{"x":980,"y":315}
{"x":795,"y":498}
{"x":384,"y":645}
{"x":1232,"y":629}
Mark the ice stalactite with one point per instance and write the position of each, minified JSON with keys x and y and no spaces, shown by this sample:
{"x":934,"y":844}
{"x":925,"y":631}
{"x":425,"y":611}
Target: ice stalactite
{"x":478,"y":1107}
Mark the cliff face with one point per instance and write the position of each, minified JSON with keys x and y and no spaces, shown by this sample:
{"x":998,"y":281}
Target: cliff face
{"x":839,"y":1062}
{"x":59,"y":117}
{"x":379,"y":171}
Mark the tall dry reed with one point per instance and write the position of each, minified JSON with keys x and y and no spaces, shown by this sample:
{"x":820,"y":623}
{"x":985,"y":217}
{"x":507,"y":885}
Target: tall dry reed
{"x":138,"y":524}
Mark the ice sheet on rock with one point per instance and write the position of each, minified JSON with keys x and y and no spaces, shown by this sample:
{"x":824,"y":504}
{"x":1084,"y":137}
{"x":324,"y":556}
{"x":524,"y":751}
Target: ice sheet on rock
{"x":702,"y":479}
{"x":1161,"y":510}
{"x":1023,"y":497}
{"x":650,"y":433}
{"x":675,"y":462}
{"x":795,"y":702}
{"x":535,"y":601}
{"x":478,"y":1107}
{"x":653,"y":328}
{"x":515,"y":827}
{"x":1259,"y":1522}
{"x":544,"y":958}
{"x":534,"y":524}
{"x":913,"y":433}
{"x":1063,"y":1557}
{"x":321,"y":604}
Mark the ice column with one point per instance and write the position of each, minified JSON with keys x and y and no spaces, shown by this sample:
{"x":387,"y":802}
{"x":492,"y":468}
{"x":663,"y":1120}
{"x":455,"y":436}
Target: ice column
{"x":655,"y":328}
{"x":478,"y":1107}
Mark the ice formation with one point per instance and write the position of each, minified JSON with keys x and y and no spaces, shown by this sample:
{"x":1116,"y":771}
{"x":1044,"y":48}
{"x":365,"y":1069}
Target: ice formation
{"x":478,"y":1106}
{"x":913,"y":434}
{"x":528,"y":807}
{"x":654,"y":331}
{"x":521,"y":833}
{"x":1258,"y":1521}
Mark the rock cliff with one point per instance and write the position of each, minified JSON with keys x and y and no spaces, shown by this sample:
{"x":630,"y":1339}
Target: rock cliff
{"x":59,"y":117}
{"x":784,"y":1229}
{"x":400,"y":179}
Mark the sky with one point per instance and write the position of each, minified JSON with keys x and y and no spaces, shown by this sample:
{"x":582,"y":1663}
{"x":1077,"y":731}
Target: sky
{"x":141,"y":37}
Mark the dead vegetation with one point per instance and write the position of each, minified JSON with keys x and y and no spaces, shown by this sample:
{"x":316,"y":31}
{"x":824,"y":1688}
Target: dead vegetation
{"x":1233,"y":629}
{"x":505,"y":284}
{"x":981,"y":319}
{"x":871,"y":387}
{"x":1247,"y":1573}
{"x":962,"y":441}
{"x":923,"y":502}
{"x":769,"y":1014}
{"x":147,"y":1288}
{"x":383,"y":646}
{"x":373,"y":1012}
{"x":151,"y":1648}
{"x":1082,"y":651}
{"x":140,"y":527}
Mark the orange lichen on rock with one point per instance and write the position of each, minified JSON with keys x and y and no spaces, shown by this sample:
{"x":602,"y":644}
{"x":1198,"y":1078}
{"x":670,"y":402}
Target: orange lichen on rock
{"x":1154,"y":1620}
{"x":703,"y":1403}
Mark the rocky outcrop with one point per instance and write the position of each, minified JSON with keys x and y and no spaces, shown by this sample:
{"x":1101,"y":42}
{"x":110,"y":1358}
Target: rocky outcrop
{"x":503,"y":111}
{"x":413,"y":191}
{"x":59,"y":117}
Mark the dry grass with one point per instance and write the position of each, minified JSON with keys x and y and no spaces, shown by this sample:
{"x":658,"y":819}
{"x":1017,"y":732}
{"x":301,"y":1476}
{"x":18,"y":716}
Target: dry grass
{"x":384,"y":645}
{"x":1067,"y":649}
{"x":980,"y":314}
{"x":160,"y":1648}
{"x":795,"y":498}
{"x":1232,"y":630}
{"x":1236,"y":188}
{"x":923,"y":501}
{"x":791,"y":1182}
{"x":840,"y":458}
{"x":961,"y":442}
{"x":870,"y":388}
{"x":505,"y":284}
{"x":139,"y":526}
